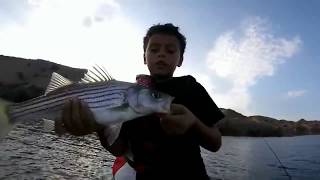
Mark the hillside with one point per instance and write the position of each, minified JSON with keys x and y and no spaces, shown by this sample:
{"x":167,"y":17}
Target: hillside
{"x":236,"y":124}
{"x":22,"y":79}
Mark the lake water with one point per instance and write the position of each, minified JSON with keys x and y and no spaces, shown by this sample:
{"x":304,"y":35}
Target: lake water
{"x":266,"y":158}
{"x":32,"y":153}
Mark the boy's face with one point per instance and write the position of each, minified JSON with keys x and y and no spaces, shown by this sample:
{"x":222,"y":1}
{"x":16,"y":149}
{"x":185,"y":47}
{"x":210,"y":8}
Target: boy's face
{"x":162,"y":55}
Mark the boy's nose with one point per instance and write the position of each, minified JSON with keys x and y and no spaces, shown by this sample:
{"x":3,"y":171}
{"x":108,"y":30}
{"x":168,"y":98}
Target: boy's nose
{"x":162,"y":53}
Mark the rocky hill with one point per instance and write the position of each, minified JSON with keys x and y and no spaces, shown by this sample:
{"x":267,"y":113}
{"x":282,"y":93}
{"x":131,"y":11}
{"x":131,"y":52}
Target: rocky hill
{"x":22,"y":79}
{"x":236,"y":124}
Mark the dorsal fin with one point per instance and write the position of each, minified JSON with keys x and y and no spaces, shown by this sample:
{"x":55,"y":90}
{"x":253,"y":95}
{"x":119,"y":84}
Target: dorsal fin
{"x":96,"y":74}
{"x":57,"y":81}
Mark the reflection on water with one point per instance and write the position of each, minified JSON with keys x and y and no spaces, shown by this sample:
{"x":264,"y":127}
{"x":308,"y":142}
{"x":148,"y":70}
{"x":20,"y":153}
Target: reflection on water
{"x":30,"y":152}
{"x":251,"y":158}
{"x":301,"y":155}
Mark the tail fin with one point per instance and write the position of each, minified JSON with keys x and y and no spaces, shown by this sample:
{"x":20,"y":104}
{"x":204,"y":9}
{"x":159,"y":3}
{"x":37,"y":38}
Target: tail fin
{"x":5,"y":125}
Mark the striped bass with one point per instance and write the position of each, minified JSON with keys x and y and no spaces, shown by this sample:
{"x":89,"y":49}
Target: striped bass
{"x":112,"y":102}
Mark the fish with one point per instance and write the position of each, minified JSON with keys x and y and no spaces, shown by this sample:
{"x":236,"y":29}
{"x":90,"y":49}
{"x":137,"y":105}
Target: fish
{"x":112,"y":102}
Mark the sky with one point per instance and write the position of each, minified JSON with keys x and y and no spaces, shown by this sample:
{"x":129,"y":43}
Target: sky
{"x":253,"y":56}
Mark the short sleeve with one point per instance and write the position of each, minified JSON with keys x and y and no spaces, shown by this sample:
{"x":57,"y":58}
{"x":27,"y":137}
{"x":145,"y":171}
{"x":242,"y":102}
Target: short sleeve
{"x":202,"y":105}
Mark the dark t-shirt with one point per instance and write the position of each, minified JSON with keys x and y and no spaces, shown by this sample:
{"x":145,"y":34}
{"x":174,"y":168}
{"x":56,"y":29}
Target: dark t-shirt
{"x":165,"y":156}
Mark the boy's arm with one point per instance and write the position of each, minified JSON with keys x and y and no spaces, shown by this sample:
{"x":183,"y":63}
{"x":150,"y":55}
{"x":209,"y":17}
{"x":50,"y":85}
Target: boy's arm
{"x":207,"y":114}
{"x":199,"y":115}
{"x":181,"y":120}
{"x":118,"y":148}
{"x":208,"y":137}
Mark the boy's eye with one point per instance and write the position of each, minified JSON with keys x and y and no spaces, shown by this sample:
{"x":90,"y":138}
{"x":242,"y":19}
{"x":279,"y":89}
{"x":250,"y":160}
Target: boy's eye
{"x":170,"y":51}
{"x":154,"y":50}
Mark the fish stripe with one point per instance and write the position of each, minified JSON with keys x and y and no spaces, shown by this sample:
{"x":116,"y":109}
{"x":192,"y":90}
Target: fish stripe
{"x":57,"y":104}
{"x":71,"y":91}
{"x":84,"y":96}
{"x":68,"y":95}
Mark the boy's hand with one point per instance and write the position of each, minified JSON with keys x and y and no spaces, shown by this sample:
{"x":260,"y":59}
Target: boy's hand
{"x":179,"y":121}
{"x":77,"y":118}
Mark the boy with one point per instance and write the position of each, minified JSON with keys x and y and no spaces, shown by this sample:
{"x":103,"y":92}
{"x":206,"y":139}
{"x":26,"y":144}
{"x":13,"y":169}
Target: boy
{"x":165,"y":147}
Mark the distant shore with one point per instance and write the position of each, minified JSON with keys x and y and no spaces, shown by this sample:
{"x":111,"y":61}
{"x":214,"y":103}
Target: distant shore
{"x":236,"y":124}
{"x":22,"y":79}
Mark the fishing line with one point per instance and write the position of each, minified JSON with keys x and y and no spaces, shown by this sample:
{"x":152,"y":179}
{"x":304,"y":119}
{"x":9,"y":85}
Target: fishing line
{"x":282,"y":166}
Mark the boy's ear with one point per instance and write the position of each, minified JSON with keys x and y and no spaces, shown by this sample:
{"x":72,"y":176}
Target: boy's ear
{"x":180,"y":62}
{"x":144,"y":58}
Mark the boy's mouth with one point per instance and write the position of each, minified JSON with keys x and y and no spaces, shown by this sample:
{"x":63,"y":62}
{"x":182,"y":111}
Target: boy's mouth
{"x":161,"y":65}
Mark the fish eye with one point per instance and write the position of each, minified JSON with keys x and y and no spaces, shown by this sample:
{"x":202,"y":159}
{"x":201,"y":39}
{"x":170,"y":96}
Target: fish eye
{"x":155,"y":95}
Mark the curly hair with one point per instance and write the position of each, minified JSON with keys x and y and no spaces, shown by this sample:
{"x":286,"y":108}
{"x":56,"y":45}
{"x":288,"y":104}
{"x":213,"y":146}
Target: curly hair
{"x":168,"y":29}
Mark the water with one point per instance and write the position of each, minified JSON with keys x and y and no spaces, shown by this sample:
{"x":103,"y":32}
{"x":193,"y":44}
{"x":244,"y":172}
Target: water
{"x":29,"y":152}
{"x":251,"y":158}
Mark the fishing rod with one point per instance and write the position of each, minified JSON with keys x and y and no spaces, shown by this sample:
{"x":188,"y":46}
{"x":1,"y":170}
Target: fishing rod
{"x":274,"y":153}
